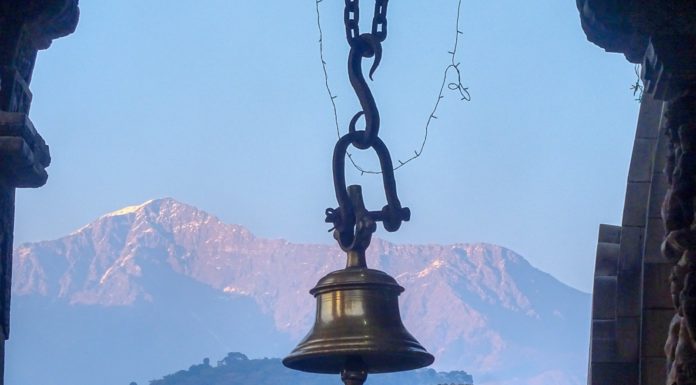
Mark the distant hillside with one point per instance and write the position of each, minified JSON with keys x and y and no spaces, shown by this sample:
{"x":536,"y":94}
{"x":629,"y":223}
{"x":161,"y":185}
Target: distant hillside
{"x":237,"y":369}
{"x":179,"y":284}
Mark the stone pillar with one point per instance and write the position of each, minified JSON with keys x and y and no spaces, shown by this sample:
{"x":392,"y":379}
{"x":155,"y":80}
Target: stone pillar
{"x":625,"y":265}
{"x":26,"y":26}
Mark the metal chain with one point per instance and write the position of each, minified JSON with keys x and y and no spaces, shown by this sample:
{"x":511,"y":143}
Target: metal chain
{"x":454,"y":85}
{"x":353,"y":224}
{"x":379,"y":22}
{"x":351,"y":17}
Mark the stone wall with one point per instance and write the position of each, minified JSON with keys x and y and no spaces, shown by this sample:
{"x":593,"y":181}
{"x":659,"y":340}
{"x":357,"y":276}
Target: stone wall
{"x":631,"y":305}
{"x":661,"y":194}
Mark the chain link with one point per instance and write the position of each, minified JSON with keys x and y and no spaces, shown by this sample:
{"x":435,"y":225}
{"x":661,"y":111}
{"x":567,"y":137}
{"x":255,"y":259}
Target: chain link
{"x":353,"y":224}
{"x":379,"y":22}
{"x":351,"y":17}
{"x":352,"y":20}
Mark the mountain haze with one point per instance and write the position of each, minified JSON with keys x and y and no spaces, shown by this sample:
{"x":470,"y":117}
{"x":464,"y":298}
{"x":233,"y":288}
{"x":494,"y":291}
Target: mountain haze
{"x":169,"y":284}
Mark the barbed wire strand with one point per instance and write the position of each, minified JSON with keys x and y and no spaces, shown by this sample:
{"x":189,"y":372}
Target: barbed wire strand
{"x":638,"y":87}
{"x":452,"y":86}
{"x":332,"y":97}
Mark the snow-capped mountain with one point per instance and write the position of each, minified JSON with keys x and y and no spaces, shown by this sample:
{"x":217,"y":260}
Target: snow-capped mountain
{"x":202,"y":285}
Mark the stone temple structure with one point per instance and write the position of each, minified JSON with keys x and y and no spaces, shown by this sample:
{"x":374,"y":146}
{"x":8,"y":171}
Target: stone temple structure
{"x":644,"y":308}
{"x":26,"y":27}
{"x":644,"y":302}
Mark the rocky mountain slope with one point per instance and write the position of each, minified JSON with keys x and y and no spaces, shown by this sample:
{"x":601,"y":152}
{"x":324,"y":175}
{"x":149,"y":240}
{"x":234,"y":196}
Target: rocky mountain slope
{"x":476,"y":307}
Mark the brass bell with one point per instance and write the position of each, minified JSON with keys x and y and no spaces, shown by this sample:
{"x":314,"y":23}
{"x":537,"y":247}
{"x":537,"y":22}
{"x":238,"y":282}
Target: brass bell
{"x":358,"y":325}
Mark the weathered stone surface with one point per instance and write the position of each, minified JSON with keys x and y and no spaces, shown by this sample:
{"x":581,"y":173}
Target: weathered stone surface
{"x":660,"y":160}
{"x":604,"y":350}
{"x":615,"y":340}
{"x":631,"y":249}
{"x":604,"y":330}
{"x":605,"y":25}
{"x":641,"y":160}
{"x":43,"y":21}
{"x":650,"y":118}
{"x":628,"y":296}
{"x":656,"y":33}
{"x":654,"y":234}
{"x":655,"y":326}
{"x":604,"y":300}
{"x":658,"y":190}
{"x":613,"y":373}
{"x":607,"y":259}
{"x":636,"y":204}
{"x":23,"y":152}
{"x":627,"y":339}
{"x":626,"y":26}
{"x":656,"y":293}
{"x":609,"y":234}
{"x":652,"y":371}
{"x":668,"y":68}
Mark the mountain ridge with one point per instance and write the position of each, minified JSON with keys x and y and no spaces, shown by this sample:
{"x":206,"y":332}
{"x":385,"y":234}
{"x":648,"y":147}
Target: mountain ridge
{"x":460,"y":295}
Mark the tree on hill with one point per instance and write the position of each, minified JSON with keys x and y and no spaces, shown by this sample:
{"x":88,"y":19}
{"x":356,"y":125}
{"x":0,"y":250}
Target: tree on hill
{"x":238,"y":369}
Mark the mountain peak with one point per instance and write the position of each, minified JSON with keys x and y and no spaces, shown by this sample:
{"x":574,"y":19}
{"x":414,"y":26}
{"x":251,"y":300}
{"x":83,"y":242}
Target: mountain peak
{"x":129,"y":209}
{"x":463,"y":299}
{"x":153,"y":211}
{"x":157,"y":204}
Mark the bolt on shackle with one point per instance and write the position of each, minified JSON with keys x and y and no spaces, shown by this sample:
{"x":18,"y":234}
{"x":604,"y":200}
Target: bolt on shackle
{"x":353,"y":224}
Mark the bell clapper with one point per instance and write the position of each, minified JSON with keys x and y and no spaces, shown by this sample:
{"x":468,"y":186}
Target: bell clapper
{"x":354,"y":372}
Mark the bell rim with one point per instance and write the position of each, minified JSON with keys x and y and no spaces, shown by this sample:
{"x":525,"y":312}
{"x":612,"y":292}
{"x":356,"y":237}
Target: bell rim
{"x":317,"y":362}
{"x":392,"y":349}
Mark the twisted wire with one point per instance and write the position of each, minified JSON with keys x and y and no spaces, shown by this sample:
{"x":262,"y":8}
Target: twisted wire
{"x":455,"y":86}
{"x":638,"y":87}
{"x":332,"y":97}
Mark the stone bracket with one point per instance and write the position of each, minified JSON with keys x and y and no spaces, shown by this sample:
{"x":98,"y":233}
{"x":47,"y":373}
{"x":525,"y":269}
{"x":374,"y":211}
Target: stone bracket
{"x":668,"y":69}
{"x":24,"y":155}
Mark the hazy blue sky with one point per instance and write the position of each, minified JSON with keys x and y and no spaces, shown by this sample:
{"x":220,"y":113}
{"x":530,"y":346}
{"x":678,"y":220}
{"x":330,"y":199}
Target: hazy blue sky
{"x":220,"y":104}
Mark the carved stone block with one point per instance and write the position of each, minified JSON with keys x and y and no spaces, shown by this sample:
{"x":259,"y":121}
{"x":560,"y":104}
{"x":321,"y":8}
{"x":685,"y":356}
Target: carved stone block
{"x":656,"y":293}
{"x":636,"y":203}
{"x":640,"y":169}
{"x":604,"y":301}
{"x":609,"y":234}
{"x":631,"y":249}
{"x":627,"y":339}
{"x":24,"y":155}
{"x":654,"y":235}
{"x":655,"y":329}
{"x":607,"y":259}
{"x":628,"y":298}
{"x":613,"y":373}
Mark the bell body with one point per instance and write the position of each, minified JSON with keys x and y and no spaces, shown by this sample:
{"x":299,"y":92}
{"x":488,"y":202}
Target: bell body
{"x":358,"y":320}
